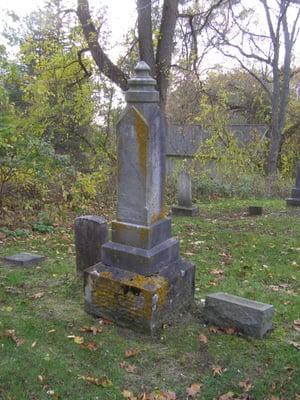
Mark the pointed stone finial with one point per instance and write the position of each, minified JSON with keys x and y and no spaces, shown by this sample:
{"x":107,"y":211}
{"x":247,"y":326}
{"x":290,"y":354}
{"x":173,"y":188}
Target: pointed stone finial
{"x":142,"y":86}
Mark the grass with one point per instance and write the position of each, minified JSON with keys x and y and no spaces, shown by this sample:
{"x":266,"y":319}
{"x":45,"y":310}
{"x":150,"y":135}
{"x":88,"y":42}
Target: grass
{"x":257,"y":257}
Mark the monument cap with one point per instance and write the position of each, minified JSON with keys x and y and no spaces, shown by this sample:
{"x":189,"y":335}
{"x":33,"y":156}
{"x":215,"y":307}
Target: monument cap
{"x":142,"y":86}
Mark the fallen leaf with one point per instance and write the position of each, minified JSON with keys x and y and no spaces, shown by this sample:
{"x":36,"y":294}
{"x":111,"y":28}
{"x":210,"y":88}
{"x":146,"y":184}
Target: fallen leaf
{"x":52,"y":330}
{"x":297,"y":325}
{"x":227,"y":396}
{"x":41,"y":378}
{"x":37,"y":296}
{"x":104,"y":321}
{"x":214,"y":329}
{"x":10,"y":333}
{"x":217,"y":370}
{"x":91,"y":329}
{"x":130,"y":368}
{"x":131,"y":353}
{"x":78,"y":339}
{"x":34,"y":344}
{"x":295,"y":344}
{"x":246,"y":385}
{"x":102,"y":381}
{"x":194,"y":389}
{"x":128,"y":395}
{"x":202,"y":338}
{"x":89,"y":345}
{"x":216,"y":272}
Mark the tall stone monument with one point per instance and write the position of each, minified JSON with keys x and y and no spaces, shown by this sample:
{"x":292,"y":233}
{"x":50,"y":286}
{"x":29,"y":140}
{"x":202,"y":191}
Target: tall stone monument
{"x":141,"y":281}
{"x":185,"y":205}
{"x":294,"y":200}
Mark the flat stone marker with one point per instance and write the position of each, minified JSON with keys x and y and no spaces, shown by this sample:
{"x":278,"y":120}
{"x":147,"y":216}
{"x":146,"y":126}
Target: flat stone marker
{"x":255,"y":210}
{"x":250,"y":317}
{"x":24,"y":259}
{"x":90,"y":234}
{"x":185,"y":205}
{"x":294,"y":200}
{"x":141,"y":281}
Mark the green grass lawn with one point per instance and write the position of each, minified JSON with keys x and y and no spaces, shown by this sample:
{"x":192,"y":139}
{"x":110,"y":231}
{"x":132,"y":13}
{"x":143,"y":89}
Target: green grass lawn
{"x":254,"y":257}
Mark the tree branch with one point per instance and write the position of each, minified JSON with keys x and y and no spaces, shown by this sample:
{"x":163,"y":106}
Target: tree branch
{"x":109,"y":69}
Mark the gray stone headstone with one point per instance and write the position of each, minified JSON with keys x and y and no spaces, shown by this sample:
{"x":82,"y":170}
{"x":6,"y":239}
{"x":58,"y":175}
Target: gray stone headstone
{"x":185,"y":205}
{"x":184,"y":189}
{"x":294,"y":200}
{"x":24,"y":259}
{"x":90,"y":234}
{"x":250,"y":317}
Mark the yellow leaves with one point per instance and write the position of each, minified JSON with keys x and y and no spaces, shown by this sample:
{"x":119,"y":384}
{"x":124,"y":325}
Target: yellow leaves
{"x":131,"y":353}
{"x":102,"y":381}
{"x":194,"y":389}
{"x":202,"y":338}
{"x":78,"y":339}
{"x":157,"y":395}
{"x":10,"y":333}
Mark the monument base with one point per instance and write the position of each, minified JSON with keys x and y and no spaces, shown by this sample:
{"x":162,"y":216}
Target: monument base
{"x":294,"y":202}
{"x":142,"y":303}
{"x":192,"y":211}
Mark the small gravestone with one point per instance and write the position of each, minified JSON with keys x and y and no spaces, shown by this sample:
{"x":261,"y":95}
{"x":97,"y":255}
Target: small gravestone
{"x":141,"y":281}
{"x":294,"y":200}
{"x":24,"y":259}
{"x":228,"y":311}
{"x":185,"y":206}
{"x":255,"y":210}
{"x":90,"y":234}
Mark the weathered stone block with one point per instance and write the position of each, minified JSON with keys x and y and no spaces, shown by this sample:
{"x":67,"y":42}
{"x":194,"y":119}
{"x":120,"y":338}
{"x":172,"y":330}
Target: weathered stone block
{"x":90,"y":234}
{"x":141,"y":236}
{"x":185,"y":211}
{"x":255,"y":210}
{"x":293,"y":202}
{"x":144,"y":261}
{"x":250,"y":317}
{"x":24,"y":259}
{"x":136,"y":301}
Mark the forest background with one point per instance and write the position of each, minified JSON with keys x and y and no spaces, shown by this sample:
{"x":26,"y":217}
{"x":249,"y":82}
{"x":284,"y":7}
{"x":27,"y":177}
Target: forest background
{"x":216,"y":63}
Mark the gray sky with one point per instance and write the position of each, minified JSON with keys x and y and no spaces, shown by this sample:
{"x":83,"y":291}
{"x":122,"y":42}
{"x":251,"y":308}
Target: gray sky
{"x":121,"y":14}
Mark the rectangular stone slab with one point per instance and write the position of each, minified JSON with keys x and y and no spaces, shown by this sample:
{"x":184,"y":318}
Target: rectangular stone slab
{"x":135,"y":301}
{"x":143,"y":261}
{"x":181,"y":211}
{"x":248,"y":316}
{"x":24,"y":259}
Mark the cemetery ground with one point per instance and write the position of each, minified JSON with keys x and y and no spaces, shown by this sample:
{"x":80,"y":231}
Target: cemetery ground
{"x":51,"y":349}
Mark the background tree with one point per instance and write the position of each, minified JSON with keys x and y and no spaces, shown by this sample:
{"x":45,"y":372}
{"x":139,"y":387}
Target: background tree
{"x":238,"y":38}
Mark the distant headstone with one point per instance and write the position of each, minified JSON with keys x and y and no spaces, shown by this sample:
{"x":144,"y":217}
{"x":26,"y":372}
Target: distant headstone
{"x":294,"y":200}
{"x":249,"y":317}
{"x":255,"y":210}
{"x":90,"y":234}
{"x":185,"y":206}
{"x":141,"y":281}
{"x":24,"y":259}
